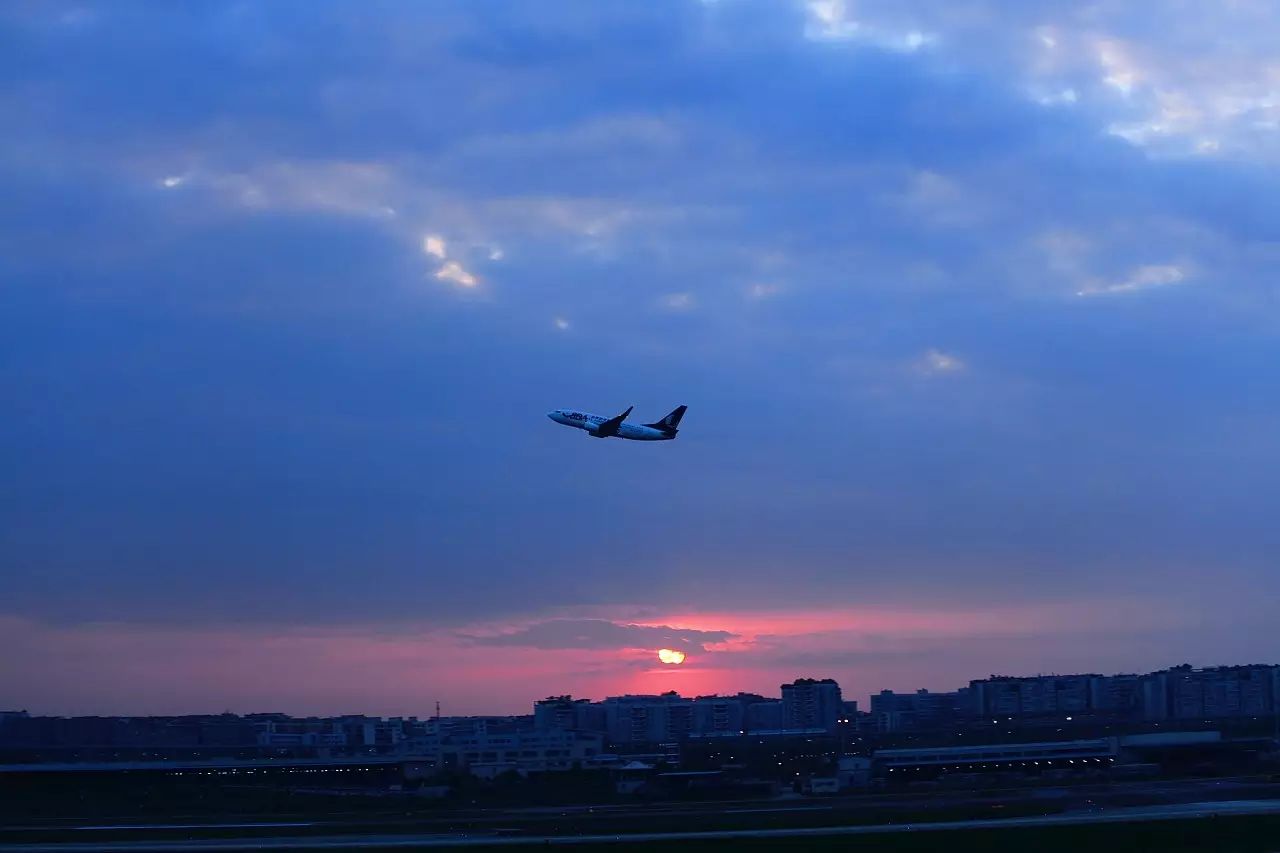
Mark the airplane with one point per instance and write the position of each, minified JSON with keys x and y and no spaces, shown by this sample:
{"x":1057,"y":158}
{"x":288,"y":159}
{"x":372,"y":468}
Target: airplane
{"x":663,"y":430}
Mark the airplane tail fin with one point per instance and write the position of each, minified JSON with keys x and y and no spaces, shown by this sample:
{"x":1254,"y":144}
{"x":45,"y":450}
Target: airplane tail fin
{"x":672,"y":421}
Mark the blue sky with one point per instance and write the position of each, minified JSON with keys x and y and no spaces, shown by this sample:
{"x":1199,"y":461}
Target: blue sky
{"x":973,"y":306}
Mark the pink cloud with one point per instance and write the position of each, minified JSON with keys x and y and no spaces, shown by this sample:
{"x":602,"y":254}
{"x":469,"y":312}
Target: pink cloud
{"x":127,"y":668}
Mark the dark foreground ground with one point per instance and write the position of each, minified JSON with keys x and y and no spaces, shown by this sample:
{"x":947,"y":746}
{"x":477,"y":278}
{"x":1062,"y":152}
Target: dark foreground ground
{"x":1229,"y":835}
{"x":1217,"y":815}
{"x":1226,"y":833}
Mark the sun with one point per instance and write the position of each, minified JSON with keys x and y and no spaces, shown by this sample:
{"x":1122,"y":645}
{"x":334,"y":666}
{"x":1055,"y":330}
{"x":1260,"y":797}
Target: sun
{"x":670,"y":656}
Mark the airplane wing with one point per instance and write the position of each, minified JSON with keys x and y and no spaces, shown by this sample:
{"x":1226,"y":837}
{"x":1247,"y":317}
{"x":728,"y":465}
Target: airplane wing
{"x":610,"y":427}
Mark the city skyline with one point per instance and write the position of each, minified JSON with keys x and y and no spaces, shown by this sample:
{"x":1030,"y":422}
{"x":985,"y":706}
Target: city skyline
{"x":863,"y":701}
{"x":1063,"y":714}
{"x":973,"y":308}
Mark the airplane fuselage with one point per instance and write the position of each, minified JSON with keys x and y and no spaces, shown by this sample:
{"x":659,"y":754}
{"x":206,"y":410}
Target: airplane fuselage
{"x":592,"y":423}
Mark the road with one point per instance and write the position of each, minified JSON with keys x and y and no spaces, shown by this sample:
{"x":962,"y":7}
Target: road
{"x":392,"y":842}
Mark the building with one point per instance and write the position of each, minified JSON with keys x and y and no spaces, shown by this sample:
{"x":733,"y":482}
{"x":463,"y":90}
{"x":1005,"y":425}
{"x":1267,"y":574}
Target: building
{"x":632,"y":720}
{"x":713,"y":714}
{"x":361,"y":731}
{"x":567,"y":713}
{"x":521,"y":751}
{"x":663,"y":718}
{"x":1029,"y":696}
{"x":853,"y":771}
{"x":765,"y":714}
{"x":929,"y":761}
{"x":809,"y":703}
{"x":919,"y":711}
{"x":1184,"y":693}
{"x":996,"y":697}
{"x":1118,"y":695}
{"x":447,"y":727}
{"x":1177,"y":693}
{"x":290,"y":733}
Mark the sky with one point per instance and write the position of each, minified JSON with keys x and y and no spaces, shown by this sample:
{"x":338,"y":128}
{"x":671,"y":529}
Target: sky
{"x":973,"y":305}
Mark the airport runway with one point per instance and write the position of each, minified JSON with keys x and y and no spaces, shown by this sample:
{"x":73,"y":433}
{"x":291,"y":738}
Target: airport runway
{"x":1141,"y":814}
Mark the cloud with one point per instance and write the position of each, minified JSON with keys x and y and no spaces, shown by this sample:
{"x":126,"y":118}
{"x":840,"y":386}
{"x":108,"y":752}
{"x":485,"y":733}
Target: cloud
{"x":677,"y":301}
{"x":603,"y":634}
{"x":452,"y":271}
{"x":434,"y":245}
{"x":941,"y":200}
{"x":1142,"y":278}
{"x":1206,"y":74}
{"x":115,"y":667}
{"x":830,"y":20}
{"x":328,"y":186}
{"x":935,"y":362}
{"x":922,"y":207}
{"x":1066,"y":250}
{"x":1056,"y":98}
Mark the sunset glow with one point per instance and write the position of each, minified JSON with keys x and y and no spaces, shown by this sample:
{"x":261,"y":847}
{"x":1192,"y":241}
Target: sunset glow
{"x":589,"y":652}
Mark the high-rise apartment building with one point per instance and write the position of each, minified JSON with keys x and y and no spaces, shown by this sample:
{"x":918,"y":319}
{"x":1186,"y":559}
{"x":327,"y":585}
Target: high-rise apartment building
{"x":809,"y":703}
